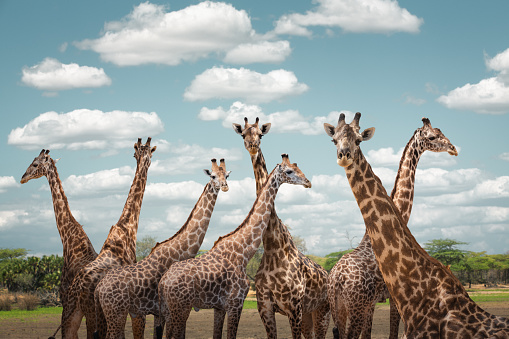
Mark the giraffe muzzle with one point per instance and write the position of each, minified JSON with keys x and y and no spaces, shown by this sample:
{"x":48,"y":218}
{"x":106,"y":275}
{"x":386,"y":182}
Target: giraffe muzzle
{"x":344,"y":158}
{"x":452,"y":150}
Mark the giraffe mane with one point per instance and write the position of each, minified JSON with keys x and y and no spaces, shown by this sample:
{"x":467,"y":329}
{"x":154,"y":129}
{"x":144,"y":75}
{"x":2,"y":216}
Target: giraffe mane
{"x":393,"y":192}
{"x":251,"y":211}
{"x":182,"y":229}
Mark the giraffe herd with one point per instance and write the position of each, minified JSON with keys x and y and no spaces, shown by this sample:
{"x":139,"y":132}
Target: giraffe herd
{"x":388,"y":263}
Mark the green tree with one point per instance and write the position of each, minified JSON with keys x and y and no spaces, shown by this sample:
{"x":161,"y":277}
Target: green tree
{"x":7,"y":254}
{"x":333,"y":258}
{"x":446,"y":251}
{"x":144,"y":246}
{"x":300,"y":243}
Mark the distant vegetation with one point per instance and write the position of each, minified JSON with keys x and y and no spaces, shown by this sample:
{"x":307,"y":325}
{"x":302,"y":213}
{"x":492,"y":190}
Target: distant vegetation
{"x":41,"y":276}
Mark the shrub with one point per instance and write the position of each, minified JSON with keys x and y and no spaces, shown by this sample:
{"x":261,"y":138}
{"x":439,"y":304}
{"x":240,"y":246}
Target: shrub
{"x":5,"y":302}
{"x":28,"y":302}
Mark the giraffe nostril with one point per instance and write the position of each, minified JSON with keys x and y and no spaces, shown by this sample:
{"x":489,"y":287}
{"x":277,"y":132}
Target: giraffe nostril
{"x":348,"y":155}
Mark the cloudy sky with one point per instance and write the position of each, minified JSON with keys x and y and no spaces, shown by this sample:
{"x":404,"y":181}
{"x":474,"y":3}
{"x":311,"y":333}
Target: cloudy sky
{"x":86,"y":79}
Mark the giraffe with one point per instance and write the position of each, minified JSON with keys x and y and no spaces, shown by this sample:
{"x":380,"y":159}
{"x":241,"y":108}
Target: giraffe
{"x":430,"y":299}
{"x":119,"y":249}
{"x":292,"y":284}
{"x":78,"y":250}
{"x":133,"y":289}
{"x":218,"y":278}
{"x":355,"y":283}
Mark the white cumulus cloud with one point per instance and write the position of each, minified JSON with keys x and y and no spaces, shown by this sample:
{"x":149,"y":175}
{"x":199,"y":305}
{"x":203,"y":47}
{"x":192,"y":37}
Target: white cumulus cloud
{"x":373,"y":16}
{"x":86,"y":129}
{"x":264,"y":51}
{"x":7,"y":182}
{"x":290,"y":121}
{"x":245,"y":84}
{"x":488,"y":96}
{"x":152,"y":34}
{"x":52,"y":75}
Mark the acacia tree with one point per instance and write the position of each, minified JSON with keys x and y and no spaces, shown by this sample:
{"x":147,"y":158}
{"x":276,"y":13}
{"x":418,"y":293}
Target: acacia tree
{"x":446,"y":251}
{"x":144,"y":247}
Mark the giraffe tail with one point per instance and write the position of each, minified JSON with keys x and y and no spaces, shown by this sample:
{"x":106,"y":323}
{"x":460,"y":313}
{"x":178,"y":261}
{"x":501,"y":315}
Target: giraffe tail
{"x":55,"y":334}
{"x":335,"y":332}
{"x":97,"y":310}
{"x":159,"y":332}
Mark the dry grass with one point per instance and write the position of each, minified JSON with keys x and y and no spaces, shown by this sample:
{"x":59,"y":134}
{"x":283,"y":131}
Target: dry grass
{"x":28,"y":302}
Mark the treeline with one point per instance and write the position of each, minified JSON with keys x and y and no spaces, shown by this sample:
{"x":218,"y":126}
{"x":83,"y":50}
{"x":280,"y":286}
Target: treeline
{"x":21,"y":273}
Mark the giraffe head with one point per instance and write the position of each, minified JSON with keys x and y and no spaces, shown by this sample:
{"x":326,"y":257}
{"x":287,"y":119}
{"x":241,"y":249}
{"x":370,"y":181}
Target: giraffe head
{"x":143,"y":153}
{"x":347,"y":138}
{"x":290,"y":173}
{"x":434,"y":140}
{"x":38,"y":168}
{"x":218,"y":175}
{"x":252,"y":134}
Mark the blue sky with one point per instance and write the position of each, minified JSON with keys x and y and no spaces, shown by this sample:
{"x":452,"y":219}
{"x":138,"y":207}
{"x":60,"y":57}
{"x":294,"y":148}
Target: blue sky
{"x":86,"y":79}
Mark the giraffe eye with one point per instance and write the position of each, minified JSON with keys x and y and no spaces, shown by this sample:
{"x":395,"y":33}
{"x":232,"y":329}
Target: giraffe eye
{"x":213,"y":177}
{"x":431,"y":138}
{"x":35,"y":165}
{"x":289,"y":171}
{"x":357,"y":142}
{"x":334,"y":141}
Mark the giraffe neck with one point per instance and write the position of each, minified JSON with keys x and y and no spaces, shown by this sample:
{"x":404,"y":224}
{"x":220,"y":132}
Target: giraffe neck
{"x":121,"y":240}
{"x":69,"y":229}
{"x":403,"y":192}
{"x":187,"y":241}
{"x":276,"y":233}
{"x":240,"y":245}
{"x":402,"y":261}
{"x":260,"y":170}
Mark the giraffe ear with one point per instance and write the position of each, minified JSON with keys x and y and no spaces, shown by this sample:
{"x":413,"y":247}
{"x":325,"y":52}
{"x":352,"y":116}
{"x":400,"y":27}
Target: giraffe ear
{"x":153,"y":149}
{"x":265,"y":128}
{"x":329,"y":129}
{"x":207,"y":172}
{"x":237,"y":128}
{"x":368,"y":133}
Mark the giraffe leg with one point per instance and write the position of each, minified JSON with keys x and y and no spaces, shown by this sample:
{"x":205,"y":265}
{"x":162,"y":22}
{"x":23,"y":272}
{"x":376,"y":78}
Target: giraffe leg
{"x":368,"y":322}
{"x":340,"y":318}
{"x":356,"y":322}
{"x":72,"y":324}
{"x":266,"y":311}
{"x":218,"y":323}
{"x":295,"y":319}
{"x":234,"y":314}
{"x":178,"y":315}
{"x":394,"y":319}
{"x":321,"y":319}
{"x":307,"y":326}
{"x":138,"y":326}
{"x":158,"y":322}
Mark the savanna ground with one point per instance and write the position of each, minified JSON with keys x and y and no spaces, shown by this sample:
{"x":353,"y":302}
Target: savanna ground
{"x":36,"y":325}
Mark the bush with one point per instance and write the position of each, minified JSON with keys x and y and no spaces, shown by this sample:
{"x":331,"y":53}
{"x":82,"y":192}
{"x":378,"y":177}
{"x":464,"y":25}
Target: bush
{"x":28,"y":302}
{"x":5,"y":302}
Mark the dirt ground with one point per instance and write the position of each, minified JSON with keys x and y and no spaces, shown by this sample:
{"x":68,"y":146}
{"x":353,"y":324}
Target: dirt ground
{"x":200,"y":324}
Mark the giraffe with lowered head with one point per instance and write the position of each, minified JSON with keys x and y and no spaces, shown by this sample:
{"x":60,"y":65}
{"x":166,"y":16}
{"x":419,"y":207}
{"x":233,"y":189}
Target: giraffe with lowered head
{"x":77,"y":247}
{"x":119,"y":249}
{"x":132,"y":289}
{"x":287,"y":281}
{"x":355,"y":283}
{"x":218,"y":278}
{"x":430,"y":299}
